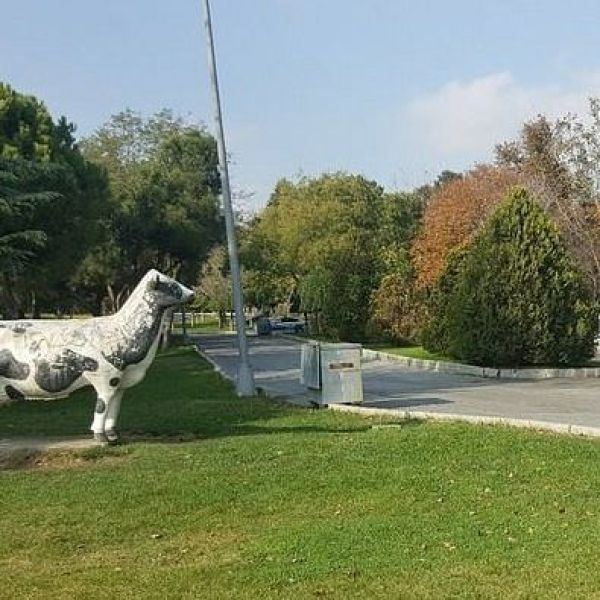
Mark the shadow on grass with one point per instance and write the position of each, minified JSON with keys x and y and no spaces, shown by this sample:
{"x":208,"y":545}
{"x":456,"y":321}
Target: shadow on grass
{"x":181,"y":399}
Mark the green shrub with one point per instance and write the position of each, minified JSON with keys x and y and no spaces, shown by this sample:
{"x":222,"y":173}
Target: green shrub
{"x":435,"y":333}
{"x":516,"y":297}
{"x":337,"y":294}
{"x":395,"y":309}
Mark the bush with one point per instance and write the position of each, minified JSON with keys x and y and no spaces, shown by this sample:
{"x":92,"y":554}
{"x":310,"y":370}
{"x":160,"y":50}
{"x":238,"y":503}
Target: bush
{"x":397,"y":309}
{"x":435,"y":334}
{"x":337,"y":295}
{"x":515,"y":298}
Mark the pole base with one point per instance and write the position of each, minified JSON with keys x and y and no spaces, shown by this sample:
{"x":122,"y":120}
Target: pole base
{"x":245,"y":381}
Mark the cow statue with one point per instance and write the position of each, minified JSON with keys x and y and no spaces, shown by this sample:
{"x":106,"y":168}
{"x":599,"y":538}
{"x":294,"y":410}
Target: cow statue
{"x":50,"y":359}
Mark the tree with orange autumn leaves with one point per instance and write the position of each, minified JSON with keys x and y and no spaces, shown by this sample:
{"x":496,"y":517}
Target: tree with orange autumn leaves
{"x":454,"y":213}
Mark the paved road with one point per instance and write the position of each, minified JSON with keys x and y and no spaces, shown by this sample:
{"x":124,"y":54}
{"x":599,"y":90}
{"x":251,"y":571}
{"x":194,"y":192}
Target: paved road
{"x":276,"y":361}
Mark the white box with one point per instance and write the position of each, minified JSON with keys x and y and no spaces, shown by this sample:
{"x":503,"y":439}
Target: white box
{"x":310,"y":365}
{"x":341,"y":375}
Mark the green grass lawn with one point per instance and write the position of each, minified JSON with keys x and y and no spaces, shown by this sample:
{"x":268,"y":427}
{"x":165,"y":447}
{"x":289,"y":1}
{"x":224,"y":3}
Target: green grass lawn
{"x":420,"y":352}
{"x":208,"y":327}
{"x":219,"y":497}
{"x":410,"y":352}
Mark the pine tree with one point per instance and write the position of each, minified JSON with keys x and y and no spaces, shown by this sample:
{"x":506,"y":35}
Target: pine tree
{"x":518,"y":298}
{"x":18,"y":241}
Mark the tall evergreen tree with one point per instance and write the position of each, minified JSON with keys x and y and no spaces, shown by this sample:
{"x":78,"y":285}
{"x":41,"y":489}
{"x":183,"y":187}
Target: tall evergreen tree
{"x":518,"y":298}
{"x":43,"y":161}
{"x":21,"y":239}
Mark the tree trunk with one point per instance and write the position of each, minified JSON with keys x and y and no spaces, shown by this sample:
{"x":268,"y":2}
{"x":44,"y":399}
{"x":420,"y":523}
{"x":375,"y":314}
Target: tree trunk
{"x":166,"y":332}
{"x":183,"y":323}
{"x":35,"y":309}
{"x":111,"y":298}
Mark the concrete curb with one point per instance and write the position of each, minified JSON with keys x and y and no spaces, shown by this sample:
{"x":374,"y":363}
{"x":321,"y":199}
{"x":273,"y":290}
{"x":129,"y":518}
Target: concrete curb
{"x":213,"y":363}
{"x":455,"y":368}
{"x":561,"y":428}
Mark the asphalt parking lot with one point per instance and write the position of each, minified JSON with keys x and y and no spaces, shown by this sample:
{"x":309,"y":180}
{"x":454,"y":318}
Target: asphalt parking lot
{"x":276,"y":364}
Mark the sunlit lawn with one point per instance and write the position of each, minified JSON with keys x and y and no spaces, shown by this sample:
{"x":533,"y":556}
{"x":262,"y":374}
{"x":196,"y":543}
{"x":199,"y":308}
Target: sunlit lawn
{"x":265,"y":501}
{"x":421,"y":353}
{"x":410,"y":352}
{"x":207,"y":327}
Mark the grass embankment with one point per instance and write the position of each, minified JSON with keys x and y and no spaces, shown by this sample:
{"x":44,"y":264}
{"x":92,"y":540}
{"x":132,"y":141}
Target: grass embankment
{"x":208,"y":327}
{"x":420,"y":352}
{"x":267,"y":501}
{"x":410,"y":352}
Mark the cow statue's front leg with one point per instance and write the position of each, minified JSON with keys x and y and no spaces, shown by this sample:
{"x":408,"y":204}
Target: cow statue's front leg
{"x":99,"y":420}
{"x":112,"y":414}
{"x":104,"y":408}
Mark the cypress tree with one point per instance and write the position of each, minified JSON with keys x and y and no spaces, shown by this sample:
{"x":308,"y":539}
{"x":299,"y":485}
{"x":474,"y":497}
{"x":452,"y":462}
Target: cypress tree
{"x":519,"y":299}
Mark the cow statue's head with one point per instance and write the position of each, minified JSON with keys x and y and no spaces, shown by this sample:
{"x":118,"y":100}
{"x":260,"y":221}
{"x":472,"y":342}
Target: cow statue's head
{"x":165,"y":290}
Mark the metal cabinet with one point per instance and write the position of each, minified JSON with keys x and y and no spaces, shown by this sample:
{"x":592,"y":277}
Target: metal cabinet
{"x":334,"y":369}
{"x":310,"y":365}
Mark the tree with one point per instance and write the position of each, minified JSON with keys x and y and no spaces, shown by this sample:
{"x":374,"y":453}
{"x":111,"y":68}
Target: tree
{"x":560,"y":162}
{"x":321,"y":230}
{"x":436,"y":332}
{"x":73,"y":222}
{"x":267,"y":280}
{"x":20,"y":242}
{"x":26,"y":128}
{"x":400,"y":222}
{"x":396,"y":304}
{"x":456,"y":210}
{"x":446,"y":176}
{"x":42,"y":156}
{"x":164,"y":183}
{"x":516,"y":298}
{"x":180,"y":200}
{"x":214,"y":285}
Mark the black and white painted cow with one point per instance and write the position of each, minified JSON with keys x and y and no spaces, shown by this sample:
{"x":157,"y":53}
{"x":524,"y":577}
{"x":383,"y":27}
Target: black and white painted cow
{"x":50,"y":359}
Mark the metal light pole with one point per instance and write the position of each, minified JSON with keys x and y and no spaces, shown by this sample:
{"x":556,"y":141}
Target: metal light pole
{"x":245,"y":380}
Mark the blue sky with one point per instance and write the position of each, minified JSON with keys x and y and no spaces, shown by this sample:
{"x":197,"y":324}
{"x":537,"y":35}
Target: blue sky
{"x":395,"y":90}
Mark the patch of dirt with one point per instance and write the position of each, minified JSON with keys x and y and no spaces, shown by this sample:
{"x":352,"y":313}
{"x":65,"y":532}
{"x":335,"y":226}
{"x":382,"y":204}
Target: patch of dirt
{"x":58,"y":460}
{"x":21,"y":458}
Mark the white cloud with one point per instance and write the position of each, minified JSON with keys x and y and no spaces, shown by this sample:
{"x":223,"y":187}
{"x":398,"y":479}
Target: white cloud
{"x":463,"y":120}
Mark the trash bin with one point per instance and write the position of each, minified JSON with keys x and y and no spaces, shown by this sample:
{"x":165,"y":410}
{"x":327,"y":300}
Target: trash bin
{"x":335,"y":370}
{"x":341,"y":375}
{"x":263,"y":326}
{"x":310,"y":365}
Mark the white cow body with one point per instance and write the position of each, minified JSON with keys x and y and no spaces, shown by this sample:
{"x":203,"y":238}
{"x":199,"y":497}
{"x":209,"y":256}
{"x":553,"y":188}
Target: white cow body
{"x":51,"y":359}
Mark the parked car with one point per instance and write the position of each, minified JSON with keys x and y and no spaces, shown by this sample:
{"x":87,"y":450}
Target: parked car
{"x":287,"y":324}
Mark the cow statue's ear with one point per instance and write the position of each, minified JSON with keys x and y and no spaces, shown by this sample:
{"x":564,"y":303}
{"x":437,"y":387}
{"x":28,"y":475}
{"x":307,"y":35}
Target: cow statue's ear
{"x":153,"y":283}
